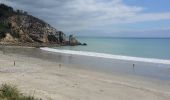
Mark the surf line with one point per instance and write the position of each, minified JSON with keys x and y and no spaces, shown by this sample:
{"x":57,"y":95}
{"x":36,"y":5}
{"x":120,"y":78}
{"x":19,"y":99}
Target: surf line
{"x":108,"y":56}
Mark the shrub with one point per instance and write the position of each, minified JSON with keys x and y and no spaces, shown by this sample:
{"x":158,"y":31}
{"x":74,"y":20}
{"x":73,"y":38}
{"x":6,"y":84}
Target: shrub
{"x":9,"y":92}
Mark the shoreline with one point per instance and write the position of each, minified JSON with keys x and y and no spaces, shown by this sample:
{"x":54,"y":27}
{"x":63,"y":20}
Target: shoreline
{"x":112,"y":66}
{"x":108,"y":56}
{"x":67,"y":82}
{"x":96,"y":54}
{"x":29,"y":45}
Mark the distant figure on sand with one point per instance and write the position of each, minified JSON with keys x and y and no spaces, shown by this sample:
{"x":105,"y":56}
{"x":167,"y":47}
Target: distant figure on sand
{"x":14,"y":62}
{"x":133,"y":66}
{"x":59,"y":65}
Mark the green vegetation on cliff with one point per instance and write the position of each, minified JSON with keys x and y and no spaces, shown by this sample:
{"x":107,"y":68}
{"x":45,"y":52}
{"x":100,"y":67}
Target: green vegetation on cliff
{"x":3,"y":29}
{"x":6,"y":11}
{"x":5,"y":25}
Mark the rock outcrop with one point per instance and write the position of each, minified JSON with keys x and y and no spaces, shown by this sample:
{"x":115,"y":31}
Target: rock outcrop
{"x":73,"y":41}
{"x":17,"y":27}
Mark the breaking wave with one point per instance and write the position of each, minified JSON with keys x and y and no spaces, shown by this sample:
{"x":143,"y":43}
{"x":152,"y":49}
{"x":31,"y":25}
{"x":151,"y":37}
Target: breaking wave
{"x":108,"y":56}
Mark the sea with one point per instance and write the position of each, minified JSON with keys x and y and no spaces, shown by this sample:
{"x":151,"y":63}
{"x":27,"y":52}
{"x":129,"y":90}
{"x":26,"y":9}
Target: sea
{"x":155,"y":50}
{"x":146,"y":57}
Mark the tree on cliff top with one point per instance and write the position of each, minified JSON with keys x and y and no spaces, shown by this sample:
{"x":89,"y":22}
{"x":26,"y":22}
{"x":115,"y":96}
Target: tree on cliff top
{"x":7,"y":11}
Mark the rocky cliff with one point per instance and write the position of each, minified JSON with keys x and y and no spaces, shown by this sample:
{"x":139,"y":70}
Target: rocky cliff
{"x":19,"y":28}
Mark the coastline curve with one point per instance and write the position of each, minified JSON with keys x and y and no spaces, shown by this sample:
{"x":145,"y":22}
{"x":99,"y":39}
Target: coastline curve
{"x":108,"y":56}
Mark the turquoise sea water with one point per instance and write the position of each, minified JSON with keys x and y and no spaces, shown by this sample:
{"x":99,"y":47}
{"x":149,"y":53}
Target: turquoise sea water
{"x":136,"y":47}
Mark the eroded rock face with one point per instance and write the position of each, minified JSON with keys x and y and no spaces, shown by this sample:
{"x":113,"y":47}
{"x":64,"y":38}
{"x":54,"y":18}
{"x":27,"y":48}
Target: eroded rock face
{"x":9,"y":38}
{"x":31,"y":29}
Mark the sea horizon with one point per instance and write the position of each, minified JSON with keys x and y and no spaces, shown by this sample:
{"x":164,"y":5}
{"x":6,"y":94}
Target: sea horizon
{"x":122,"y":37}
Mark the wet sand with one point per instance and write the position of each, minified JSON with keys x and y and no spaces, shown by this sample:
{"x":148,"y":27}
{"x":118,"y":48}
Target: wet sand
{"x":57,"y":80}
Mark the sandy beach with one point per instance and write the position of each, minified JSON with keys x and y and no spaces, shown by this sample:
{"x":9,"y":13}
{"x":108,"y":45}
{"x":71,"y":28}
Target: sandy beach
{"x":51,"y":80}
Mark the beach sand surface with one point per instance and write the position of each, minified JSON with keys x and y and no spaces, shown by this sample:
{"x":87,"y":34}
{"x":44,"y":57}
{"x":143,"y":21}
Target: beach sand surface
{"x":54,"y":81}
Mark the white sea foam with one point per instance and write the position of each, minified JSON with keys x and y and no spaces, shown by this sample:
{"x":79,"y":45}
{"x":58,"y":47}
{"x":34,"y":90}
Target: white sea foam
{"x":109,"y":56}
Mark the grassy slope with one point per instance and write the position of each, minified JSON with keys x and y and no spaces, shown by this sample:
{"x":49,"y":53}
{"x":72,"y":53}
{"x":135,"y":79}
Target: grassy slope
{"x":9,"y":92}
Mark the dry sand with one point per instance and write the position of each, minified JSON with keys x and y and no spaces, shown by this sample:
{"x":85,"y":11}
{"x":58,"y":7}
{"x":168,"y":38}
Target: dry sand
{"x":50,"y":81}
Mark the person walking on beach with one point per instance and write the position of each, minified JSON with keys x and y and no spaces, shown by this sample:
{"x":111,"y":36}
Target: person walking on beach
{"x":14,"y":62}
{"x":133,"y":67}
{"x":59,"y":65}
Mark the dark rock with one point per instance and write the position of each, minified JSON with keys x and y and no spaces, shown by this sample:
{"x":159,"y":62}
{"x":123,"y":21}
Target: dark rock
{"x":73,"y":41}
{"x":84,"y":44}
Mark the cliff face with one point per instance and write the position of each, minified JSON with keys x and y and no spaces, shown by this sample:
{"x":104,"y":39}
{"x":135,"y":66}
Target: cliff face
{"x":18,"y":27}
{"x":31,"y":29}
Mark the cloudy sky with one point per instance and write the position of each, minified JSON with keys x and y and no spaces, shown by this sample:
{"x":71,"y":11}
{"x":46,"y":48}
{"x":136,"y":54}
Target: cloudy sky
{"x":119,"y":18}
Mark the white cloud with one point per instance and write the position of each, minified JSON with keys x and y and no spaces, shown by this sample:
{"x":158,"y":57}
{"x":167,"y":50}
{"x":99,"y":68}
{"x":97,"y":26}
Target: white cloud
{"x":77,"y":15}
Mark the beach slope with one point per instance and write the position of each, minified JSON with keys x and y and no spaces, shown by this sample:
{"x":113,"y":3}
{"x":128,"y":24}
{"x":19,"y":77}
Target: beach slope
{"x":50,"y":80}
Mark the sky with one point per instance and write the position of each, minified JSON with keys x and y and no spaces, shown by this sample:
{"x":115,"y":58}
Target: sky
{"x":116,"y":18}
